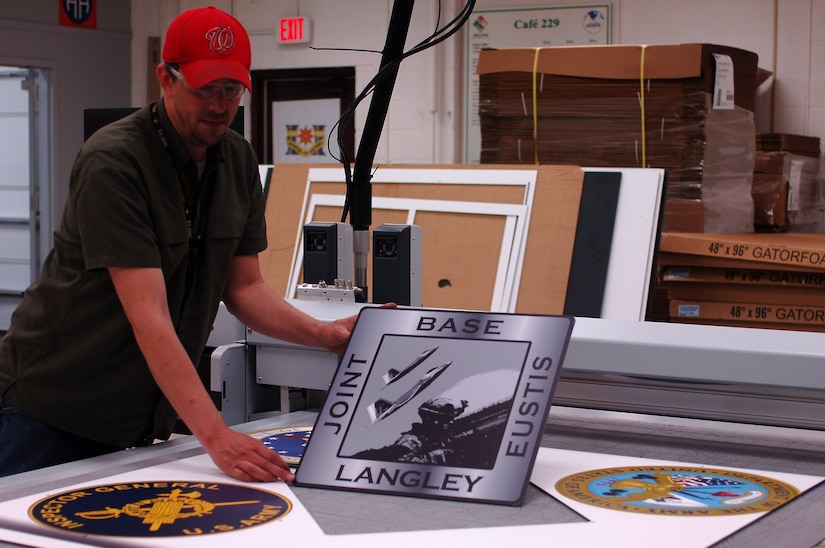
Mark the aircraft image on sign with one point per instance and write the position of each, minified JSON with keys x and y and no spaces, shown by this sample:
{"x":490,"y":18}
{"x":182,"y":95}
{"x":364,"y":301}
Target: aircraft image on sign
{"x":382,"y":408}
{"x":394,"y":375}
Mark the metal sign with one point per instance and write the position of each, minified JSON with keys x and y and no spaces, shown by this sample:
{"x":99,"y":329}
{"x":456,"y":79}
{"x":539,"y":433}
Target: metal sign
{"x":438,"y":403}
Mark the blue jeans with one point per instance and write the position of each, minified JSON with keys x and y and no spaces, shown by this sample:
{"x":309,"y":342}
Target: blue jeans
{"x":27,"y":443}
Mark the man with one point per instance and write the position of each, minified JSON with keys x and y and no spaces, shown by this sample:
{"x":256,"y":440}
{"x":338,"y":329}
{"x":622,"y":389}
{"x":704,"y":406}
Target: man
{"x":165,"y":217}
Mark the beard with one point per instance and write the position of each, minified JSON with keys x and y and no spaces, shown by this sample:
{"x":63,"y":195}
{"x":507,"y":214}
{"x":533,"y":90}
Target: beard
{"x":204,"y":129}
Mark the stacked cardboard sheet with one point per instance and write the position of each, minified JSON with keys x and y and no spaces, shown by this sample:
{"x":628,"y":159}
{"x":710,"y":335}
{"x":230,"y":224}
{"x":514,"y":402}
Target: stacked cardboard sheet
{"x":786,"y":192}
{"x":749,"y":280}
{"x":629,"y":106}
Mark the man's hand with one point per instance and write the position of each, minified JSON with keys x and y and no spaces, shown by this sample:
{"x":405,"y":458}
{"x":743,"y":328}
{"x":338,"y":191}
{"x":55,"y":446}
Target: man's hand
{"x":246,"y":458}
{"x":261,"y":309}
{"x":335,"y":335}
{"x":143,"y":295}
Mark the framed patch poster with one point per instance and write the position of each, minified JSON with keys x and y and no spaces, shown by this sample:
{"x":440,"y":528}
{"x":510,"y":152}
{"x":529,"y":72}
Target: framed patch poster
{"x":301,"y":130}
{"x":438,"y":403}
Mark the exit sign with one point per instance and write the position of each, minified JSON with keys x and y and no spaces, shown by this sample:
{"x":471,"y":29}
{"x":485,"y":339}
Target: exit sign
{"x":295,"y":30}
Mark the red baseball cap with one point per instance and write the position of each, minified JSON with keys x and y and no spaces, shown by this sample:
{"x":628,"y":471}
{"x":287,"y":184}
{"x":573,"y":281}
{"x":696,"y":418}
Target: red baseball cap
{"x":208,"y":44}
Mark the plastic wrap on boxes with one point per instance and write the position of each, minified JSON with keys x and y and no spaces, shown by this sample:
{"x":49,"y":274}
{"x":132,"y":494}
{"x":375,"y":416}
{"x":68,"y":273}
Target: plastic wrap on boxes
{"x":786,"y":192}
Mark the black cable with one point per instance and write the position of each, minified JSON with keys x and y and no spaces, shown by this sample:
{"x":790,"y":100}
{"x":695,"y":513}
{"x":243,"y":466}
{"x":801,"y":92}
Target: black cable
{"x":439,"y":35}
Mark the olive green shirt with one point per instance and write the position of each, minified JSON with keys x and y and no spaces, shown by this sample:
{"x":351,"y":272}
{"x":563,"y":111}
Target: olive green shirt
{"x":70,"y":358}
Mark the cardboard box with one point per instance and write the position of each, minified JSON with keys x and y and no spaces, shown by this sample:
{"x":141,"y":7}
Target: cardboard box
{"x":581,"y":105}
{"x":667,"y":259}
{"x":797,"y":250}
{"x":625,"y":62}
{"x":786,"y":190}
{"x":742,"y":276}
{"x":770,"y":202}
{"x":788,"y":142}
{"x":742,"y":311}
{"x":683,"y":215}
{"x":750,"y":294}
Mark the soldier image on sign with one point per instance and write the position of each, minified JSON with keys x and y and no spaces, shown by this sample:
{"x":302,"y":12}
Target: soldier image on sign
{"x":445,"y":435}
{"x":434,"y":410}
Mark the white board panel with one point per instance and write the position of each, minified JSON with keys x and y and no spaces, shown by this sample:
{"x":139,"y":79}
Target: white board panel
{"x":634,"y":242}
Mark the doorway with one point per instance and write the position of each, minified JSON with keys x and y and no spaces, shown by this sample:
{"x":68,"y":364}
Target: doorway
{"x":25,"y":190}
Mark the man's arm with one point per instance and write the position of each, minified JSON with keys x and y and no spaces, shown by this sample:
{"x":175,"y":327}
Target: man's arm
{"x":143,"y":295}
{"x":259,"y":307}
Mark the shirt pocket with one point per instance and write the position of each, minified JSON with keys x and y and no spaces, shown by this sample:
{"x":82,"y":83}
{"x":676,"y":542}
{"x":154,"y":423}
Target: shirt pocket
{"x":225,"y":226}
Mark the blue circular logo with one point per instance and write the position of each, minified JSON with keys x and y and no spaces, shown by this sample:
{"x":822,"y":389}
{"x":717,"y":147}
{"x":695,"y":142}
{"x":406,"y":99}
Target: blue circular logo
{"x":159,"y":509}
{"x":289,"y":442}
{"x":594,"y":22}
{"x":676,"y":490}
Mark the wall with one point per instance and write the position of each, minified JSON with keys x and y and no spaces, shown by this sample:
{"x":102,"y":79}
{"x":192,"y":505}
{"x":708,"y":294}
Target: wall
{"x":108,"y":66}
{"x":800,"y":68}
{"x":90,"y":69}
{"x":784,"y":33}
{"x":421,"y":126}
{"x":425,"y":118}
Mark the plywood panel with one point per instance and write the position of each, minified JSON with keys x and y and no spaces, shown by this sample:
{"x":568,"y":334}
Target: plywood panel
{"x":546,"y":254}
{"x":460,"y":253}
{"x":505,"y":194}
{"x":283,"y":222}
{"x":550,"y":240}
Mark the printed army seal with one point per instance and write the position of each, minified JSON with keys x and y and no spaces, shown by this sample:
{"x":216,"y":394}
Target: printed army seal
{"x":159,"y":509}
{"x":676,"y":490}
{"x":289,"y":441}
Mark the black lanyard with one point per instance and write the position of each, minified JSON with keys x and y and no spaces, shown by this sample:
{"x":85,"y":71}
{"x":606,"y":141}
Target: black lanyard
{"x":196,"y":238}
